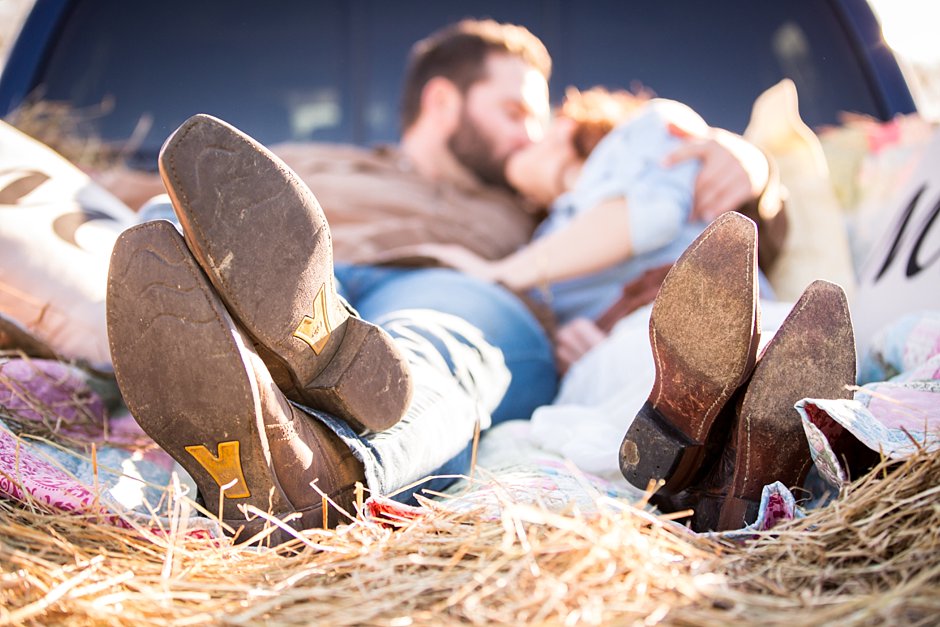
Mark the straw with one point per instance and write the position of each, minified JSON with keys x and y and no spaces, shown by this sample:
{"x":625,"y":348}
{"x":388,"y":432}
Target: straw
{"x":871,"y":557}
{"x":74,"y":132}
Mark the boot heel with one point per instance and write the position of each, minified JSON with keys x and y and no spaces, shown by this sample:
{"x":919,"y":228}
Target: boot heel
{"x":653,"y":449}
{"x":367,"y":383}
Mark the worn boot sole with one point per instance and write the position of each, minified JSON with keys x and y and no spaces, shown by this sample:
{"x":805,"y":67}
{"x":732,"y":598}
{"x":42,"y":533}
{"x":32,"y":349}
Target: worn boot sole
{"x":185,"y":372}
{"x":811,"y":356}
{"x":262,"y":239}
{"x":704,"y":335}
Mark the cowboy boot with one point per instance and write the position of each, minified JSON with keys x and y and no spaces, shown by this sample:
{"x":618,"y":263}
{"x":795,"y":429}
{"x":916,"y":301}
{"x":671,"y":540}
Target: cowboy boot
{"x":193,"y":382}
{"x":262,"y":239}
{"x":812,"y":355}
{"x":704,"y":332}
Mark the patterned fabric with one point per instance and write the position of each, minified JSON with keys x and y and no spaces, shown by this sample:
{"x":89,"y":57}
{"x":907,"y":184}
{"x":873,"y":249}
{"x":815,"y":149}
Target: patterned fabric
{"x":901,"y":350}
{"x":56,"y":233}
{"x":49,"y":419}
{"x":45,"y":397}
{"x":28,"y":477}
{"x":893,"y":416}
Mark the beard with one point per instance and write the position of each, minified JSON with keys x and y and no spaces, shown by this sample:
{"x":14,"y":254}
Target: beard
{"x":474,"y":151}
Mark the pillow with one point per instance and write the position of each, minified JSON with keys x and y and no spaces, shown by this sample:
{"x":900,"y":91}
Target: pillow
{"x":57,"y":229}
{"x":817,"y":245}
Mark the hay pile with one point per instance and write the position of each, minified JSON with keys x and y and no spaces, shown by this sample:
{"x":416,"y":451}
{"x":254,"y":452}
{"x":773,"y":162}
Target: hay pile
{"x":870,"y":558}
{"x":73,"y":131}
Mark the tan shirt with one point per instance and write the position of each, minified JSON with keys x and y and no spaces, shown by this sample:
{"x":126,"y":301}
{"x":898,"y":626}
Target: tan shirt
{"x":376,"y":205}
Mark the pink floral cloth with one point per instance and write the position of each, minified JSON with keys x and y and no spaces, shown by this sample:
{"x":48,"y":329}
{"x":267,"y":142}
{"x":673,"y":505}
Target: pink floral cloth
{"x":32,"y":479}
{"x":41,"y":391}
{"x":49,"y":419}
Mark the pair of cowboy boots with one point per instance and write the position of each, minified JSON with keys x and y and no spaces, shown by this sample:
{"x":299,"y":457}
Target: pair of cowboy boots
{"x":719,"y":423}
{"x":214,"y":333}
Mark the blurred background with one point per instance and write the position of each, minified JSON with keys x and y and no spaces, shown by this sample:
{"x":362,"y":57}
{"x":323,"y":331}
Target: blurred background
{"x":908,"y":27}
{"x":331,"y":71}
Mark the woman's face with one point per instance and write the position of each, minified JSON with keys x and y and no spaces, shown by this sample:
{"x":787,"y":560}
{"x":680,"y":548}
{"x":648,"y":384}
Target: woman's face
{"x":543,"y":171}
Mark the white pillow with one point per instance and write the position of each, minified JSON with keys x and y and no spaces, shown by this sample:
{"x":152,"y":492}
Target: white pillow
{"x":817,"y":245}
{"x":57,"y":229}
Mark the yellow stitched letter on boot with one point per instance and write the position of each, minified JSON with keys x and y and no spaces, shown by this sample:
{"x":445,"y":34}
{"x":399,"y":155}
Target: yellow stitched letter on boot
{"x":225,"y":468}
{"x":315,"y":330}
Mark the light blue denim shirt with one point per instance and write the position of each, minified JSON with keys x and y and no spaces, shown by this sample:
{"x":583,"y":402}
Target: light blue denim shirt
{"x":627,"y":163}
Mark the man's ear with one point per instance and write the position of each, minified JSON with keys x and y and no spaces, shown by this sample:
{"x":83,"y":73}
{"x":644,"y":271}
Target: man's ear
{"x":441,"y":102}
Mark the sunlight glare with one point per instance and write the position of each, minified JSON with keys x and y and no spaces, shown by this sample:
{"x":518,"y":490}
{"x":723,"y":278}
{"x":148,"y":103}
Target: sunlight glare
{"x":909,"y":27}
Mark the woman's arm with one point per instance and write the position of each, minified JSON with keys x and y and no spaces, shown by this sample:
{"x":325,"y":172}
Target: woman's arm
{"x":594,"y":240}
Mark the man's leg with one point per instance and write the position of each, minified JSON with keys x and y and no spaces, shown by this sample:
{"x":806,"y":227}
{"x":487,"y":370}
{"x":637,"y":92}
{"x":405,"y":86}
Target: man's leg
{"x":475,"y":352}
{"x":434,"y":436}
{"x":192,"y":379}
{"x":498,"y":317}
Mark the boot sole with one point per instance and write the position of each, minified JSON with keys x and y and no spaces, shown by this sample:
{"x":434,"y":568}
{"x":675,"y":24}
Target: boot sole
{"x":704,"y":335}
{"x":811,"y":356}
{"x":263,"y":241}
{"x":205,"y":411}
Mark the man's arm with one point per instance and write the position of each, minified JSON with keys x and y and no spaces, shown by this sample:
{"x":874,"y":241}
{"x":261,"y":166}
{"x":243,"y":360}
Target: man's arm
{"x":734,"y":171}
{"x":735,"y":175}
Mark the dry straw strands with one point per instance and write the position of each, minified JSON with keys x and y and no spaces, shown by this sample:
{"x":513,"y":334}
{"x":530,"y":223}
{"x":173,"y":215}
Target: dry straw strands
{"x":870,"y":558}
{"x":72,"y":132}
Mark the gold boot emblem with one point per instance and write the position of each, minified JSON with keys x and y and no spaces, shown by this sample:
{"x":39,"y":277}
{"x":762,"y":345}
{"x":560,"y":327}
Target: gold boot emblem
{"x":315,"y":330}
{"x":225,"y":468}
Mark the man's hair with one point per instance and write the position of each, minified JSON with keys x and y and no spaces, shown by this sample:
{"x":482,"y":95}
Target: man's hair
{"x":596,"y":112}
{"x":458,"y":52}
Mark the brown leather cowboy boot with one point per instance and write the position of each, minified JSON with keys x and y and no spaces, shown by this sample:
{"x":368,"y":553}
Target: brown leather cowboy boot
{"x":262,"y":239}
{"x":811,"y":356}
{"x":704,"y":331}
{"x":194,"y":383}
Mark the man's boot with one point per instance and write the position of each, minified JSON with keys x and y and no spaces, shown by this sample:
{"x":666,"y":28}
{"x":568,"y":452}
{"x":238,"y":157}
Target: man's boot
{"x":811,"y":356}
{"x":194,"y":383}
{"x":704,"y":332}
{"x":262,"y":239}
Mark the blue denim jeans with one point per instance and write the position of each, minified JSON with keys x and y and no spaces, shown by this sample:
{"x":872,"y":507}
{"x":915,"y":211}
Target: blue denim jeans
{"x":477,"y":356}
